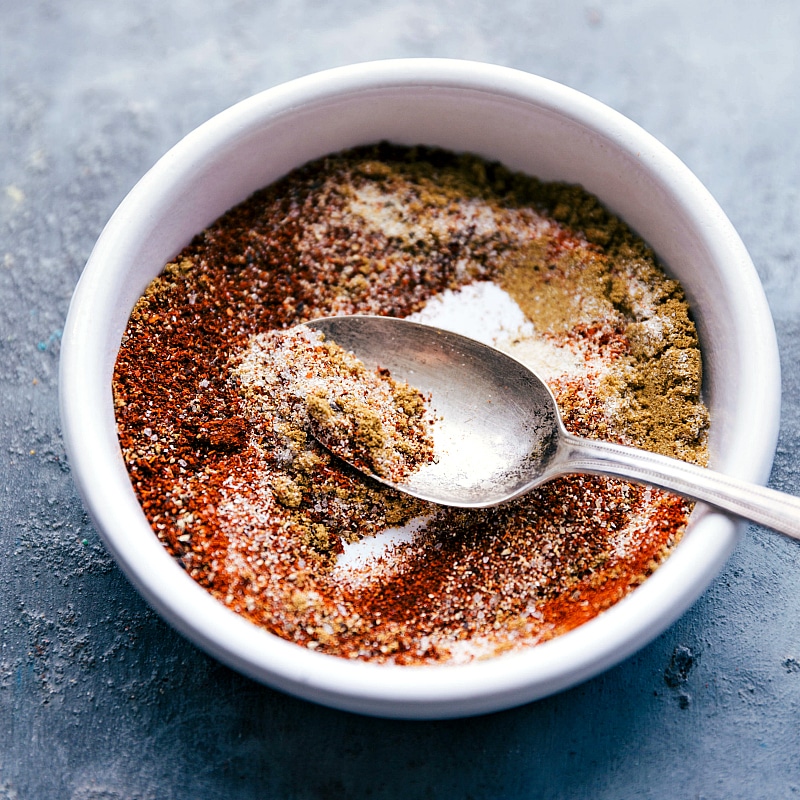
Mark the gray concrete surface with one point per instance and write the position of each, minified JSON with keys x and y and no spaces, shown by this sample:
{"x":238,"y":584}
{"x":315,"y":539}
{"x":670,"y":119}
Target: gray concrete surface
{"x":100,"y":699}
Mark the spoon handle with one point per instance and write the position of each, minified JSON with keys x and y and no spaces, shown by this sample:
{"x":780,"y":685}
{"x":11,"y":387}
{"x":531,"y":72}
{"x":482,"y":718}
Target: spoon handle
{"x":767,"y":507}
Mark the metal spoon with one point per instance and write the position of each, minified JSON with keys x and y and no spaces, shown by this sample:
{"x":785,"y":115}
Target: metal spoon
{"x":498,"y":433}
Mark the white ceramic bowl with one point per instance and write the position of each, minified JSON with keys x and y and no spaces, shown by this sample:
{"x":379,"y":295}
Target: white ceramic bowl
{"x":530,"y":124}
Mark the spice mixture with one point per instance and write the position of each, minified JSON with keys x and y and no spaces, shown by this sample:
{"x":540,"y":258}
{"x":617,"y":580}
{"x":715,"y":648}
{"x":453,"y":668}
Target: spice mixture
{"x":235,"y":486}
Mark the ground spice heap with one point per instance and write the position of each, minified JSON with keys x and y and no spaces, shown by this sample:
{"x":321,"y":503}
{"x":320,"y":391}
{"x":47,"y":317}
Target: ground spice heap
{"x":259,"y":513}
{"x":295,"y":382}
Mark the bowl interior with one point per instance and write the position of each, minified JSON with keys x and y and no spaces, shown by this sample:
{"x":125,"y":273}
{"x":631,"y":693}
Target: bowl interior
{"x":529,"y":124}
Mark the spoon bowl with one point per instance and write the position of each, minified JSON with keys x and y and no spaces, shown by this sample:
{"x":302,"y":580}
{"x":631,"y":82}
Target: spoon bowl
{"x":496,"y":423}
{"x":498,"y":434}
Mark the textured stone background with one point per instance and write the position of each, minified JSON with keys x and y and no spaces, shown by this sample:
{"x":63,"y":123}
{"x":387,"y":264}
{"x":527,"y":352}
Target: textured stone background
{"x":99,"y":699}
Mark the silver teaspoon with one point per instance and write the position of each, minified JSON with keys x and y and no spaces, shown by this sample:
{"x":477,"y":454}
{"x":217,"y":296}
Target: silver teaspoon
{"x":498,"y":433}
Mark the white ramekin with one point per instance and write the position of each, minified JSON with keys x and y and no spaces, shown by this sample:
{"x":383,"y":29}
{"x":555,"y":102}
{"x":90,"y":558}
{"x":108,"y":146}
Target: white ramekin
{"x":530,"y":124}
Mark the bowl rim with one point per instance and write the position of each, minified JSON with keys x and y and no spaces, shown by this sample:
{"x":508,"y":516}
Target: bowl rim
{"x":385,"y":690}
